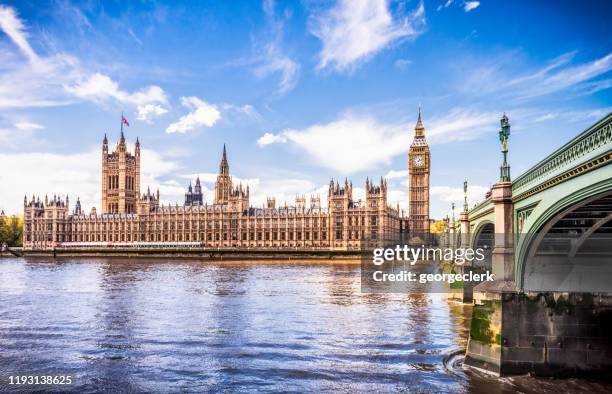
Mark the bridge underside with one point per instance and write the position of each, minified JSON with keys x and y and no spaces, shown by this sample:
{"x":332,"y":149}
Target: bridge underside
{"x":573,"y":252}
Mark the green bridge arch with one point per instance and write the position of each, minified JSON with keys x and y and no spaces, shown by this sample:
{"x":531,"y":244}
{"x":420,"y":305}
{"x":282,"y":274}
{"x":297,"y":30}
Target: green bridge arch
{"x":576,"y":172}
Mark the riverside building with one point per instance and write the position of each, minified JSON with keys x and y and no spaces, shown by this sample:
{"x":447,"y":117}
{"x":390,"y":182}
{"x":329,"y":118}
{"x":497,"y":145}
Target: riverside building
{"x":129,"y":217}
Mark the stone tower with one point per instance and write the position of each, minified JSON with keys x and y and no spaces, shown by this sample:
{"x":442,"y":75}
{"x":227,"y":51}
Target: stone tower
{"x":418,"y":180}
{"x":120,"y":177}
{"x":223,"y":186}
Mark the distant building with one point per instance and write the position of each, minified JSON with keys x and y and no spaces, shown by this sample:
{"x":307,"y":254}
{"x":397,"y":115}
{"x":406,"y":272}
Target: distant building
{"x":194,"y":195}
{"x":230,"y":221}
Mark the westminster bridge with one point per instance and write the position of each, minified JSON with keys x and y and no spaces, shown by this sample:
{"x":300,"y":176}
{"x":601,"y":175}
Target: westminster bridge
{"x":548,"y":234}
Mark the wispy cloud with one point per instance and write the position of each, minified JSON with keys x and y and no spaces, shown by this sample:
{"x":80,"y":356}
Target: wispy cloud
{"x":59,"y":78}
{"x":15,"y":29}
{"x":271,"y":59}
{"x":28,"y":126}
{"x":467,"y":5}
{"x":353,"y":31}
{"x":403,"y":64}
{"x":560,"y":74}
{"x":202,"y":114}
{"x":358,"y":140}
{"x":470,"y":5}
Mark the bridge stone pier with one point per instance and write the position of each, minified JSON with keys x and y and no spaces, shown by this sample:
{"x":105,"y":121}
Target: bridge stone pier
{"x":549,"y":310}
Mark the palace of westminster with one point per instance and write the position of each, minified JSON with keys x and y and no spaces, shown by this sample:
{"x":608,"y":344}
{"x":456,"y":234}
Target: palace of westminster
{"x":128,"y":215}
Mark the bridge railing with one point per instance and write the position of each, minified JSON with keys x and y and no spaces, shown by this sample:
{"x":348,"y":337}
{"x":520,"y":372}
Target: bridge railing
{"x":588,"y":145}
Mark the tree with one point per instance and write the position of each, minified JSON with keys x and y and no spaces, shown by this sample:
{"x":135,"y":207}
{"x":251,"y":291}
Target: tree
{"x":438,"y":227}
{"x":11,"y":231}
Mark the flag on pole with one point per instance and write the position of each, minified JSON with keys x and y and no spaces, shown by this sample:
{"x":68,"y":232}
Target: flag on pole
{"x":124,"y":120}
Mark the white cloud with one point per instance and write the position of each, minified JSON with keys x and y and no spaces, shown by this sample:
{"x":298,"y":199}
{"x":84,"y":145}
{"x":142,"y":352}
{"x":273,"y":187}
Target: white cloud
{"x":403,"y":64}
{"x":41,"y":83}
{"x":273,"y":62}
{"x":271,"y":59}
{"x":148,"y":112}
{"x":202,"y":114}
{"x":76,"y":175}
{"x":56,"y":79}
{"x":28,"y":126}
{"x":100,"y":87}
{"x":358,"y":141}
{"x":393,"y":174}
{"x":354,"y":30}
{"x":470,"y":5}
{"x":496,"y":77}
{"x":12,"y":26}
{"x":460,"y":124}
{"x":269,"y":138}
{"x":349,"y":144}
{"x":246,"y":109}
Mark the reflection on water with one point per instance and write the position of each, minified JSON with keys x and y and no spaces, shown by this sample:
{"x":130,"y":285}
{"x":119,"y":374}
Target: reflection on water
{"x":158,"y":325}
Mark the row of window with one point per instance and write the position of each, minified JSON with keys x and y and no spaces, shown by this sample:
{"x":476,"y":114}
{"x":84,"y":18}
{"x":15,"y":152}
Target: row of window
{"x":113,"y":182}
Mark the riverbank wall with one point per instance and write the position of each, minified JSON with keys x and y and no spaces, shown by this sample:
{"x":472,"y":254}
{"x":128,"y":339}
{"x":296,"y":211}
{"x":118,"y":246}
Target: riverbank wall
{"x":201,"y":253}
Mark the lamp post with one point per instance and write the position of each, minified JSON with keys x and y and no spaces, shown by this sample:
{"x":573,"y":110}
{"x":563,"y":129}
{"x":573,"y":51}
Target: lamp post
{"x":504,"y":134}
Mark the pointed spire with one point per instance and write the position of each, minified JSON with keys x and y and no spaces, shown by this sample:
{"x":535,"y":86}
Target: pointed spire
{"x":224,"y":166}
{"x":105,"y":140}
{"x":137,"y":142}
{"x":419,"y":123}
{"x":122,"y":138}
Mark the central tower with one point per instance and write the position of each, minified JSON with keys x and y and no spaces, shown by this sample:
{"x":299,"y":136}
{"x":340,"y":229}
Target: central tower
{"x":120,"y":177}
{"x":223,"y":186}
{"x":418,"y":181}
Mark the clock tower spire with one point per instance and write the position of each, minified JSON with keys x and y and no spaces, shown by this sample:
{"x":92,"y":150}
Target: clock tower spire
{"x":418,"y":183}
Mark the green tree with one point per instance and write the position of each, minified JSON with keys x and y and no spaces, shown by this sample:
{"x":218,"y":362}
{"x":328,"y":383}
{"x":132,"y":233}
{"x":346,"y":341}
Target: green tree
{"x":11,"y":230}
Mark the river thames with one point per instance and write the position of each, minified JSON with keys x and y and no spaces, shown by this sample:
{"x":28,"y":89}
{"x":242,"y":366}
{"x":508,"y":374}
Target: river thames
{"x":146,"y":325}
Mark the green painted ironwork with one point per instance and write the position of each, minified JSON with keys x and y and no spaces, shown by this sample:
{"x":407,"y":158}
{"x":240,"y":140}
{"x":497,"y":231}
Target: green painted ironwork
{"x":593,"y":142}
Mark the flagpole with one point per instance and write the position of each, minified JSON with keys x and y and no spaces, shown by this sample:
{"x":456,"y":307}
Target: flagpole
{"x":121,"y":121}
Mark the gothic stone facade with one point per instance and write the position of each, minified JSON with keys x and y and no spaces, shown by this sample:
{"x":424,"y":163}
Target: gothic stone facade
{"x":230,"y":222}
{"x":419,"y":164}
{"x":120,"y":178}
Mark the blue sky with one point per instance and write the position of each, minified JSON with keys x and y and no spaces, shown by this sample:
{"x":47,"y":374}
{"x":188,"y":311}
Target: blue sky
{"x":300,"y":91}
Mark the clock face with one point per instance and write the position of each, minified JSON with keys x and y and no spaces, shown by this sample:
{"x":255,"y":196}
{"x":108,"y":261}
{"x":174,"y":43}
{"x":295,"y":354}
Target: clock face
{"x":419,"y":161}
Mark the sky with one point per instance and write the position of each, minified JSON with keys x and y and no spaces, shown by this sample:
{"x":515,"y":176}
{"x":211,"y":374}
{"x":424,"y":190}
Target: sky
{"x":300,"y":91}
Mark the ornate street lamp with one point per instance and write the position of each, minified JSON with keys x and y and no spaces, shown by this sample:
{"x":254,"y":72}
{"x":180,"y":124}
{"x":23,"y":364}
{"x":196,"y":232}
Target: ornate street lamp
{"x":504,"y":134}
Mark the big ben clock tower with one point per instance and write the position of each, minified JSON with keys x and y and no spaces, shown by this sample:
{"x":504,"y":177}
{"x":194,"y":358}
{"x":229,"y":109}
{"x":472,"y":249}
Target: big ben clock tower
{"x":418,"y":181}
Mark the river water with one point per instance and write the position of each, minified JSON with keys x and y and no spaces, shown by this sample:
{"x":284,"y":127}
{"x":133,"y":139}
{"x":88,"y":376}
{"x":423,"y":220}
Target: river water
{"x":146,"y":325}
